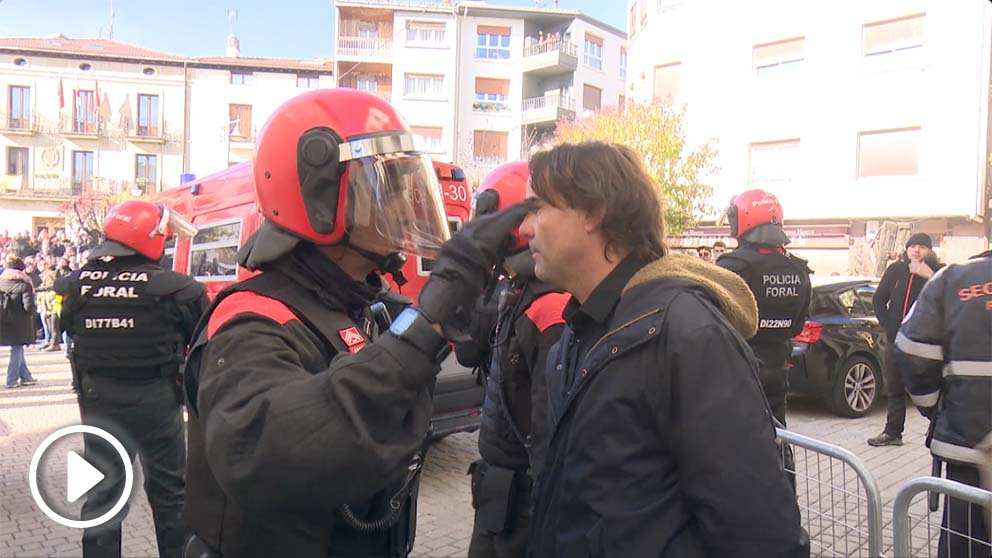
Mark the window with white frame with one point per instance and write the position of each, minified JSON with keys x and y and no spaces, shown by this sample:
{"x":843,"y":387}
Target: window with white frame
{"x":429,"y":136}
{"x":213,"y":251}
{"x":592,"y":52}
{"x":894,"y":39}
{"x":424,"y":86}
{"x":773,"y":163}
{"x":623,"y":62}
{"x":667,"y":81}
{"x":367,"y":83}
{"x":778,"y":58}
{"x":424,"y":33}
{"x":889,"y":152}
{"x":491,"y":94}
{"x":492,"y":42}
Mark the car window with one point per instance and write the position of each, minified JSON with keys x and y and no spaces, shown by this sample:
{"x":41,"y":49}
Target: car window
{"x":865,"y":294}
{"x":851,"y":303}
{"x":821,"y":305}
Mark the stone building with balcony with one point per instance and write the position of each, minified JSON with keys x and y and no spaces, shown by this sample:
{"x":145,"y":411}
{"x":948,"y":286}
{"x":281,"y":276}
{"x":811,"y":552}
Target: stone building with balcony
{"x":479,"y":84}
{"x":94,"y":116}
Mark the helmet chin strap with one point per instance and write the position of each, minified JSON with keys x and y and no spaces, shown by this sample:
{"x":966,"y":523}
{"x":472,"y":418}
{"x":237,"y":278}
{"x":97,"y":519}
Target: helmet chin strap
{"x":390,"y":263}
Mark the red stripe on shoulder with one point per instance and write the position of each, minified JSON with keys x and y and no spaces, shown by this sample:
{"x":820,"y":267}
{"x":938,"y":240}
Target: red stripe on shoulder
{"x":248,"y":302}
{"x":546,"y":310}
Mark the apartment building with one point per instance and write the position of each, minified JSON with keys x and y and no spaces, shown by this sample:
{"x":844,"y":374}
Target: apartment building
{"x":95,"y":116}
{"x":864,"y":118}
{"x":479,"y":84}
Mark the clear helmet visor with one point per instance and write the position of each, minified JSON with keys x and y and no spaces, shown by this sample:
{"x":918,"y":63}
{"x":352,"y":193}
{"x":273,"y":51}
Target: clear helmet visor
{"x":394,"y":205}
{"x":173,"y":224}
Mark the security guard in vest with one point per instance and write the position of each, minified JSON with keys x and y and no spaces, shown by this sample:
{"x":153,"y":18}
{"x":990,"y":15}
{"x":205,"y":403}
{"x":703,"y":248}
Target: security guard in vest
{"x":512,"y":353}
{"x":309,"y":408}
{"x":944,"y":354}
{"x":131,"y":322}
{"x":780,"y":283}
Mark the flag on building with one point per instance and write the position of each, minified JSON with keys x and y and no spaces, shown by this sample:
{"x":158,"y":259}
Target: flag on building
{"x":61,"y":96}
{"x":125,"y":113}
{"x":96,"y":97}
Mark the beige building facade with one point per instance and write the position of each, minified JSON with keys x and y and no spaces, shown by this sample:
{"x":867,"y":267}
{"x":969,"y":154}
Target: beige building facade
{"x":81,"y":117}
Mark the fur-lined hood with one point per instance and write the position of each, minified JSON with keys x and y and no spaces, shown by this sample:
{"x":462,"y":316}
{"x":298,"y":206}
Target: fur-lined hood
{"x":731,"y":293}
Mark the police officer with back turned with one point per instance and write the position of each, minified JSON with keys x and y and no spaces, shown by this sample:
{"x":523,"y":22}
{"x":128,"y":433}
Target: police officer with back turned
{"x":131,"y":322}
{"x":780,"y":283}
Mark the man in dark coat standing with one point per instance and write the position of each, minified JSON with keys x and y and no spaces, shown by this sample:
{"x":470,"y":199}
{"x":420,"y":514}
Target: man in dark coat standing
{"x":901,"y":284}
{"x":660,"y":441}
{"x":17,"y":319}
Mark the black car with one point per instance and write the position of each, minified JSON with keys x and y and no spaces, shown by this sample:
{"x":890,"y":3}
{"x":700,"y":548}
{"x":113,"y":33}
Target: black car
{"x":458,"y":396}
{"x":839,"y":354}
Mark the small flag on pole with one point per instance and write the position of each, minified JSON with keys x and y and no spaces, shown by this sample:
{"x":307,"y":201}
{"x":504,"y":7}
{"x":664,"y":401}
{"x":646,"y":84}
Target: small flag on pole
{"x":61,"y":96}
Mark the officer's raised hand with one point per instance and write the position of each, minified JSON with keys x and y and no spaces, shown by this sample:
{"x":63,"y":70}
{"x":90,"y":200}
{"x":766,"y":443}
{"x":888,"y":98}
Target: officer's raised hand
{"x":465,"y":265}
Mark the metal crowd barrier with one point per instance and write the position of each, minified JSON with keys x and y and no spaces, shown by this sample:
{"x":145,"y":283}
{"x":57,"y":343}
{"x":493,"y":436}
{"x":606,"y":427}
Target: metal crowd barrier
{"x":908,"y":543}
{"x":839,"y":499}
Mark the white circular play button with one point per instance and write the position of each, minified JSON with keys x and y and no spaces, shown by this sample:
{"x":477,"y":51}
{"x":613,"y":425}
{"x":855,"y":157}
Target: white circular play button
{"x":81,"y":476}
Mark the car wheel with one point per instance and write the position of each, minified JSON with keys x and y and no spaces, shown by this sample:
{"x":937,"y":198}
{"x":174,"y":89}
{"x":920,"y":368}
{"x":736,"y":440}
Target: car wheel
{"x":855,"y":388}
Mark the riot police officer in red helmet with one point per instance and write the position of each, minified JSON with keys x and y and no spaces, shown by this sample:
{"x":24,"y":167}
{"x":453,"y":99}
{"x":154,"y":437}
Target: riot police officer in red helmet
{"x":780,"y":283}
{"x":131,"y":323}
{"x":309,"y":415}
{"x":510,"y":345}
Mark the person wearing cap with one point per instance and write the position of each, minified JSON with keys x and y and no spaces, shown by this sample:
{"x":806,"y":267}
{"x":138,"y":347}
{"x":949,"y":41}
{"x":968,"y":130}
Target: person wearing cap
{"x":897,"y":291}
{"x":131,"y":322}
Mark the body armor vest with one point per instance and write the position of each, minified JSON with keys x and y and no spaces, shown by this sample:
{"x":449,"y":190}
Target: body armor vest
{"x":504,"y":435}
{"x":121,"y":323}
{"x":781,"y":286}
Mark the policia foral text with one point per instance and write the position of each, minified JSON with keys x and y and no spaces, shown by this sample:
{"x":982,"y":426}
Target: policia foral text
{"x":131,"y":322}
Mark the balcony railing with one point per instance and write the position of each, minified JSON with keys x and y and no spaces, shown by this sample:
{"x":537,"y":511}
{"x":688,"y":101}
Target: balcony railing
{"x":54,"y":186}
{"x":364,"y":46}
{"x":490,"y":160}
{"x":384,"y":90}
{"x":555,"y":100}
{"x":78,"y":128}
{"x":535,"y":49}
{"x":17,"y":125}
{"x":491,"y":106}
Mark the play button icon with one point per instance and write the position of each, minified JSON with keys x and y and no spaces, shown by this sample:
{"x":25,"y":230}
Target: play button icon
{"x":81,"y":476}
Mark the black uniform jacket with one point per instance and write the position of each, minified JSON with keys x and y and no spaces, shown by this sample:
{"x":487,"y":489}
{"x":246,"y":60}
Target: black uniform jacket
{"x":288,"y":430}
{"x":944,"y":351}
{"x":664,"y":445}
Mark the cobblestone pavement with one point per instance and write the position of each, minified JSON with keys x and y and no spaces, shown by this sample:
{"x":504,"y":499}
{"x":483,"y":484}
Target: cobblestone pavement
{"x":28,"y":415}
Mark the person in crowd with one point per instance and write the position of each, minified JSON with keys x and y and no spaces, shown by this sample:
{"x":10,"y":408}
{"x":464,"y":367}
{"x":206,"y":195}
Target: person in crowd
{"x":308,"y":415}
{"x":719,"y":249}
{"x":705,"y":254}
{"x":942,"y":350}
{"x":660,"y":441}
{"x":131,"y":323}
{"x":49,"y":310}
{"x":17,"y":320}
{"x":898,"y":289}
{"x":511,"y":349}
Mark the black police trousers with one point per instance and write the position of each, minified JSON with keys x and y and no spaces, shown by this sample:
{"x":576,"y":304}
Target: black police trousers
{"x":501,"y":498}
{"x":964,"y":520}
{"x":146,"y":417}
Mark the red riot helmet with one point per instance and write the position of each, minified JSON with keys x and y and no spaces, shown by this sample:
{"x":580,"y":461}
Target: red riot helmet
{"x":504,"y":186}
{"x":337,"y":166}
{"x":751,"y":209}
{"x":140,"y":227}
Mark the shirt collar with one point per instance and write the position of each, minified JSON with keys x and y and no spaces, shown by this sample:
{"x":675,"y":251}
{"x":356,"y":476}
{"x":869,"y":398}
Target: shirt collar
{"x":604,"y":298}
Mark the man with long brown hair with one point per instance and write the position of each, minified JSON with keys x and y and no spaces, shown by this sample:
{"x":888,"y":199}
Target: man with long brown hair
{"x":660,"y":442}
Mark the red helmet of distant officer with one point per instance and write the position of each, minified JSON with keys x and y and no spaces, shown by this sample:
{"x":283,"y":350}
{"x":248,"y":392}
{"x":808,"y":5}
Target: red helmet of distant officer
{"x":338,"y":166}
{"x":141,"y":227}
{"x":504,"y":186}
{"x":751,"y":209}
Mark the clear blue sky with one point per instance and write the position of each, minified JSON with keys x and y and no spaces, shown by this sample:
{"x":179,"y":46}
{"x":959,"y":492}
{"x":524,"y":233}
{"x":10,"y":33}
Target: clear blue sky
{"x":199,"y":27}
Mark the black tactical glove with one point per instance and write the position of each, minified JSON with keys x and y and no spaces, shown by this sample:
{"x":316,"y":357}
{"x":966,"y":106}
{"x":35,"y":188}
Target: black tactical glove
{"x":465,"y":267}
